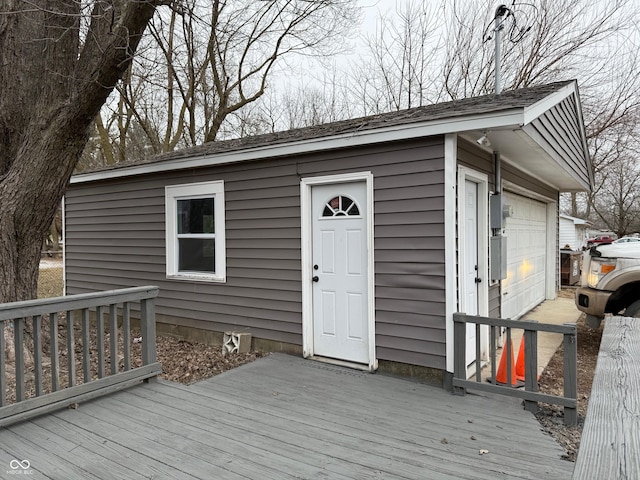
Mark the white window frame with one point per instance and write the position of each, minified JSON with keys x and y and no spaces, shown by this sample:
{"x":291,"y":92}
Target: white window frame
{"x":189,"y":191}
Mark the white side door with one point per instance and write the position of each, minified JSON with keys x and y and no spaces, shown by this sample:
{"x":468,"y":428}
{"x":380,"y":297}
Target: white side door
{"x":339,"y":272}
{"x":470,"y":267}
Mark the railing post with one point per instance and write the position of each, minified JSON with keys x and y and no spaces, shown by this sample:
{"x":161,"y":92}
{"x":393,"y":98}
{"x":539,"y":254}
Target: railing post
{"x":459,"y":351}
{"x":18,"y":341}
{"x":508,"y":351}
{"x":55,"y":347}
{"x":3,"y":378}
{"x":71,"y":350}
{"x":86,"y":340}
{"x":148,"y":330}
{"x":100,"y":340}
{"x":37,"y":353}
{"x":530,"y":340}
{"x":492,"y":352}
{"x":570,"y":346}
{"x":113,"y":337}
{"x":126,"y":335}
{"x":478,"y":354}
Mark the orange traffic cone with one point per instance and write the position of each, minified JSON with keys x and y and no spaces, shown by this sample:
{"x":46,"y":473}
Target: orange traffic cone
{"x":520,"y":362}
{"x":501,"y":376}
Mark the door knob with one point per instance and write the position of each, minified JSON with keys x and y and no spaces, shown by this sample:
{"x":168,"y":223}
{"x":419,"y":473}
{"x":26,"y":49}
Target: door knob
{"x":315,"y":278}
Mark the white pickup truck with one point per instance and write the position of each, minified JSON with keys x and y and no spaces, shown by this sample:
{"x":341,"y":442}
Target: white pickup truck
{"x":610,"y":282}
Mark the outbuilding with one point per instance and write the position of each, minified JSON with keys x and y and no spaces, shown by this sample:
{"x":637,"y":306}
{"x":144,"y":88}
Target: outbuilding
{"x":573,"y":232}
{"x":351,"y":242}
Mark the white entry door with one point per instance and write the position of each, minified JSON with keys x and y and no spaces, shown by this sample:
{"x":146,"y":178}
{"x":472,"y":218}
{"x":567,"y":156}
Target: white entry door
{"x":471,"y":275}
{"x":340,"y":259}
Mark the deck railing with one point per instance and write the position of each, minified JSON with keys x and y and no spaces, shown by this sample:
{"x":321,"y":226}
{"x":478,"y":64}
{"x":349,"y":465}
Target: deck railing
{"x":62,"y":345}
{"x":530,"y":393}
{"x":610,"y":437}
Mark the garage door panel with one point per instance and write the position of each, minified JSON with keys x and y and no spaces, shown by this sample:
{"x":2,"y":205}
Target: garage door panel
{"x":526,"y":232}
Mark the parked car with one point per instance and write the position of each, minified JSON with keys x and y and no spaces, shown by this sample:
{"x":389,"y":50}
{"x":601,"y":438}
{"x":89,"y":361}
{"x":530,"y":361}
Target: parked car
{"x":600,"y":239}
{"x":627,"y":240}
{"x":610,"y":282}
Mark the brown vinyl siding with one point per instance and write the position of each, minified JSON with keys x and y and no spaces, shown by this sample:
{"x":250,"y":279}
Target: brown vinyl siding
{"x":115,"y":237}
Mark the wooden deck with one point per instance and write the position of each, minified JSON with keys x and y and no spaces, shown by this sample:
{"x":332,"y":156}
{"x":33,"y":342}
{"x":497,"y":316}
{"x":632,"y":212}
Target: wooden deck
{"x":610,"y":444}
{"x":284,"y":417}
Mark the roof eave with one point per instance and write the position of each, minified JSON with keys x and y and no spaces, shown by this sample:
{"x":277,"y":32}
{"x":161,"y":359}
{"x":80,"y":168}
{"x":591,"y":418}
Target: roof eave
{"x":511,"y":118}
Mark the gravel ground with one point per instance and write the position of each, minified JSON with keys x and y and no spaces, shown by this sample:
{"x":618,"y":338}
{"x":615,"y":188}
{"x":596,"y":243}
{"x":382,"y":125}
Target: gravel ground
{"x":551,"y":381}
{"x":182,"y":361}
{"x":187,"y":362}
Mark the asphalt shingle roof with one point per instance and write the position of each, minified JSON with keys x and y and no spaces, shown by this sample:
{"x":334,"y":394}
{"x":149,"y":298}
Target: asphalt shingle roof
{"x":457,"y":108}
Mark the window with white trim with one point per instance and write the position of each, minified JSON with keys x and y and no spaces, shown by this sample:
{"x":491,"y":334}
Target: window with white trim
{"x":195,"y":237}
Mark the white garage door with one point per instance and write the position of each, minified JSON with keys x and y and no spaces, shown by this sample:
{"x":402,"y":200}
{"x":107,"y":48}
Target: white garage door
{"x":526,"y":230}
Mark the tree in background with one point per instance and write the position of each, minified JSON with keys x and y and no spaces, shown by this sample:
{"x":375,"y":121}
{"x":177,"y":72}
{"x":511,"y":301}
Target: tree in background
{"x":544,"y":41}
{"x":615,"y":199}
{"x":619,"y":196}
{"x":60,"y":61}
{"x":204,"y":64}
{"x":401,"y":69}
{"x":204,"y":72}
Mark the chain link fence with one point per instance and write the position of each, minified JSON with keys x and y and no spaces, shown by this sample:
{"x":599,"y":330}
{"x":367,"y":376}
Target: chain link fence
{"x":50,"y":276}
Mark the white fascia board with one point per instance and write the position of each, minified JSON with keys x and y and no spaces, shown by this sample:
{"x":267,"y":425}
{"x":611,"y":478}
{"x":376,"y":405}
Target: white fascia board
{"x":583,"y":134}
{"x":539,"y":108}
{"x":575,"y":220}
{"x":504,"y":119}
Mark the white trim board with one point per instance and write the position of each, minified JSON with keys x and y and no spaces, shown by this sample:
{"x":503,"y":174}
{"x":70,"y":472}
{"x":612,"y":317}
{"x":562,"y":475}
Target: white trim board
{"x":451,"y":291}
{"x":482,"y":182}
{"x":509,"y":119}
{"x":537,"y":109}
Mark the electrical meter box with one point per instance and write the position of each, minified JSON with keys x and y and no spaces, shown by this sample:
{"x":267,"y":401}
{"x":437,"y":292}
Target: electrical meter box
{"x":498,"y":263}
{"x":499,"y":211}
{"x":496,"y":206}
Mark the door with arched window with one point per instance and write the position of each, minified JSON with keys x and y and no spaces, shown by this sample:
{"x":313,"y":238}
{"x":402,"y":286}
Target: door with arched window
{"x":340,"y":263}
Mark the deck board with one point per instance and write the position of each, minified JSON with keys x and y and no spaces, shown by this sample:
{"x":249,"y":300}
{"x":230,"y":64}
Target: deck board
{"x":101,"y":445}
{"x":190,"y":434}
{"x":611,"y":436}
{"x":284,"y":417}
{"x":392,"y":428}
{"x":323,"y":444}
{"x":148,"y":441}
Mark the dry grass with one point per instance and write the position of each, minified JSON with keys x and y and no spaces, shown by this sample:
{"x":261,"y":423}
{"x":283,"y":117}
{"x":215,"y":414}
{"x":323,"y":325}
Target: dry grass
{"x":551,"y":381}
{"x":50,"y":282}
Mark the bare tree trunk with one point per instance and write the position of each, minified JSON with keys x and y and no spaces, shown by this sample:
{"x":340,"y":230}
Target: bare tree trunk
{"x":51,"y":88}
{"x":574,"y":204}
